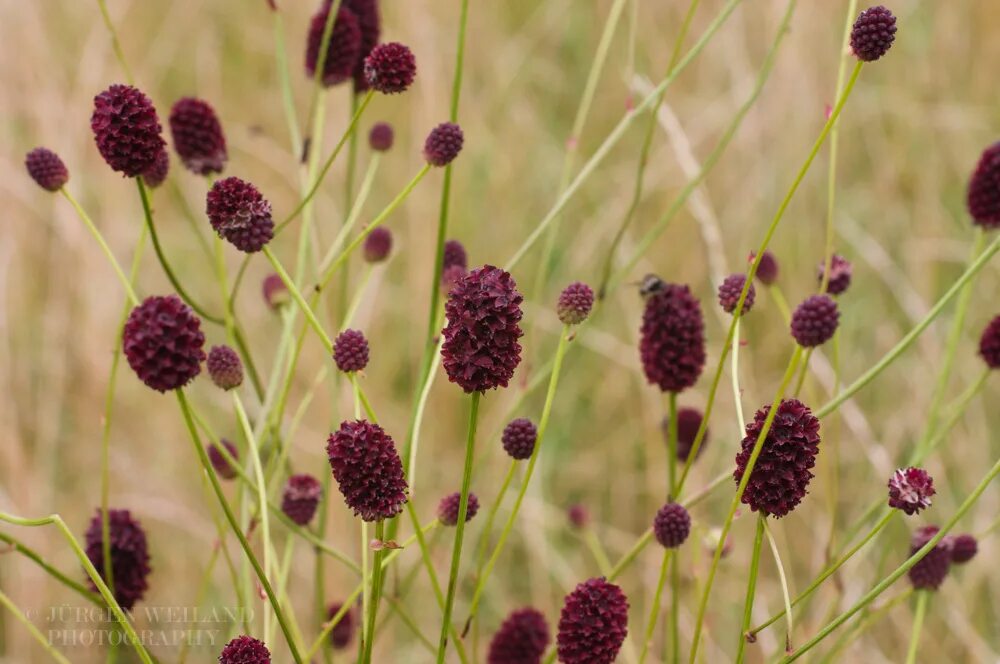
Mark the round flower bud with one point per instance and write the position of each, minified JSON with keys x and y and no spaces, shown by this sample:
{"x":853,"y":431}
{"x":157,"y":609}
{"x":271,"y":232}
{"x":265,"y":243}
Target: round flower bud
{"x":390,"y":68}
{"x":163,"y":343}
{"x":767,"y":269}
{"x":46,"y":169}
{"x":275,"y":291}
{"x":368,"y":470}
{"x":593,"y":623}
{"x":344,"y":48}
{"x":449,"y":508}
{"x":989,"y":344}
{"x":129,"y":555}
{"x":873,"y":33}
{"x":688,"y":422}
{"x":126,"y":129}
{"x":224,"y":367}
{"x":815,"y":321}
{"x":222,"y":467}
{"x":519,"y":438}
{"x":381,"y":137}
{"x":240,"y":214}
{"x":578,"y":516}
{"x":521,"y":639}
{"x":350,"y":351}
{"x":729,"y":293}
{"x":378,"y":244}
{"x":198,"y":137}
{"x":301,"y":498}
{"x":931,"y":570}
{"x":454,"y":254}
{"x":443,"y":144}
{"x":910,"y":490}
{"x":840,"y":274}
{"x":672,"y":343}
{"x":343,"y":631}
{"x":245,"y":650}
{"x":983,"y":195}
{"x":154,"y":176}
{"x":672,"y":525}
{"x":575,"y":303}
{"x":963,"y":548}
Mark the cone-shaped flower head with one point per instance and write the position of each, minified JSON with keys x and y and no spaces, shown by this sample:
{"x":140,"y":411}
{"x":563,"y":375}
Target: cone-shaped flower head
{"x":368,"y":470}
{"x":154,"y":176}
{"x":370,"y":23}
{"x":222,"y":467}
{"x":989,"y":344}
{"x":126,"y":129}
{"x":910,"y":490}
{"x":873,"y":33}
{"x":240,"y":214}
{"x":198,"y":137}
{"x":344,"y":48}
{"x":672,"y":346}
{"x":163,"y":343}
{"x":46,"y":169}
{"x":575,"y":303}
{"x":521,"y":639}
{"x":377,"y":245}
{"x":275,"y":291}
{"x":448,"y":508}
{"x":381,"y":137}
{"x":815,"y":320}
{"x":931,"y":571}
{"x":963,"y":548}
{"x":593,"y":624}
{"x":767,"y":269}
{"x":840,"y":274}
{"x":390,"y":68}
{"x":443,"y":144}
{"x":245,"y":650}
{"x":519,"y":438}
{"x":480,"y":347}
{"x":730,"y":290}
{"x":454,"y":254}
{"x":781,"y":475}
{"x":350,"y":351}
{"x":224,"y":367}
{"x":688,"y":421}
{"x":672,"y":525}
{"x":301,"y":498}
{"x":983,"y":196}
{"x":578,"y":515}
{"x":343,"y":631}
{"x":129,"y":555}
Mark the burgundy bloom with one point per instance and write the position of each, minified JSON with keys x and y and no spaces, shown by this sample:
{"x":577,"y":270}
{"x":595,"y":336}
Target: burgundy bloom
{"x":275,"y":291}
{"x":381,"y":137}
{"x":989,"y":344}
{"x":521,"y":639}
{"x":575,"y":303}
{"x":688,"y":421}
{"x":443,"y":144}
{"x":454,"y":254}
{"x":154,"y":176}
{"x":519,"y":438}
{"x":222,"y":467}
{"x":930,"y":572}
{"x":873,"y":33}
{"x":301,"y":498}
{"x":672,"y":347}
{"x":672,"y":525}
{"x":198,"y":137}
{"x":815,"y":321}
{"x":370,"y":24}
{"x":390,"y":68}
{"x":840,"y":274}
{"x":224,"y":367}
{"x":240,"y":214}
{"x":449,"y":508}
{"x":767,"y":269}
{"x":163,"y":343}
{"x":343,"y":631}
{"x":963,"y":548}
{"x":368,"y":470}
{"x":910,"y":490}
{"x":781,"y":475}
{"x":350,"y":351}
{"x":378,"y":244}
{"x":129,"y":555}
{"x":245,"y":650}
{"x":126,"y":129}
{"x":593,"y":624}
{"x":729,"y":293}
{"x":983,"y":196}
{"x":480,"y":347}
{"x":46,"y":169}
{"x":578,"y":516}
{"x":344,"y":48}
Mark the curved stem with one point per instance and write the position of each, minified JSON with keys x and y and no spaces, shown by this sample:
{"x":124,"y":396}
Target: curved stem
{"x":785,"y":594}
{"x":37,"y":635}
{"x":29,"y":553}
{"x":758,"y":540}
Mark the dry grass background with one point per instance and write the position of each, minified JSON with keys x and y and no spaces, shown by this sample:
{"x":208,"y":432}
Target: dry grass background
{"x":910,"y":136}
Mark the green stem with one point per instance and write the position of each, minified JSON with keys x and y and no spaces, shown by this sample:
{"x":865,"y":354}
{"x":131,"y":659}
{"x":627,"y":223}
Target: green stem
{"x":785,"y":594}
{"x":758,"y":540}
{"x":96,"y":233}
{"x":299,"y":300}
{"x":115,"y":43}
{"x":654,"y":611}
{"x":923,"y":596}
{"x":375,"y":592}
{"x":37,"y":635}
{"x":25,"y":550}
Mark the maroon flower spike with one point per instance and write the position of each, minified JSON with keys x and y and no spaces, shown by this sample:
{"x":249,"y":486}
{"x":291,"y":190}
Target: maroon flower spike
{"x":989,"y":344}
{"x":781,"y":475}
{"x":154,"y":176}
{"x":222,"y":467}
{"x":575,"y":303}
{"x":275,"y":291}
{"x":730,"y":291}
{"x":224,"y":367}
{"x":350,"y":351}
{"x":688,"y":421}
{"x":672,"y":347}
{"x":519,"y":438}
{"x":240,"y":214}
{"x":815,"y":320}
{"x":129,"y":555}
{"x":368,"y":471}
{"x":983,"y":196}
{"x":593,"y":624}
{"x":46,"y":169}
{"x":390,"y":68}
{"x":126,"y":129}
{"x":672,"y":525}
{"x":578,"y":516}
{"x":245,"y":650}
{"x":381,"y":137}
{"x":454,"y":254}
{"x":840,"y":274}
{"x":450,"y":505}
{"x":163,"y":343}
{"x":443,"y":144}
{"x":301,"y":498}
{"x":343,"y":631}
{"x":370,"y":23}
{"x":198,"y":137}
{"x":767,"y":269}
{"x":873,"y":33}
{"x":344,"y":48}
{"x":910,"y":490}
{"x":963,"y":548}
{"x":377,"y":245}
{"x":480,"y":347}
{"x":521,"y":639}
{"x":930,"y":572}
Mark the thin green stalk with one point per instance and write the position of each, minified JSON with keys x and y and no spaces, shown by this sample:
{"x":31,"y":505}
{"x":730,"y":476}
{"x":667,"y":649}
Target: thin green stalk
{"x":96,"y":233}
{"x":15,"y":544}
{"x":115,"y":43}
{"x":866,"y":621}
{"x":923,"y":596}
{"x":654,"y":611}
{"x":299,"y":300}
{"x":735,"y":372}
{"x":671,"y":445}
{"x":352,"y":218}
{"x":674,"y":618}
{"x":366,"y":580}
{"x":484,"y":538}
{"x":597,"y":550}
{"x":785,"y":594}
{"x":375,"y":592}
{"x":758,"y":540}
{"x":37,"y":635}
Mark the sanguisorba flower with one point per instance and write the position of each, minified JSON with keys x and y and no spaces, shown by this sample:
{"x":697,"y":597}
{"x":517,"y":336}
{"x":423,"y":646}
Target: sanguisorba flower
{"x":275,"y":291}
{"x":222,"y":467}
{"x":519,"y":438}
{"x":873,"y":33}
{"x":840,"y":274}
{"x":480,"y":350}
{"x":815,"y":321}
{"x":301,"y":498}
{"x":593,"y":623}
{"x":578,"y":515}
{"x":350,"y":351}
{"x":781,"y":476}
{"x":344,"y":48}
{"x":343,"y":631}
{"x":930,"y":572}
{"x":163,"y":343}
{"x":989,"y":344}
{"x":381,"y":137}
{"x":129,"y":555}
{"x":155,"y":175}
{"x":46,"y":169}
{"x":983,"y":195}
{"x":377,"y":245}
{"x":672,"y":344}
{"x":370,"y":23}
{"x":245,"y":650}
{"x":729,"y":294}
{"x":522,"y":639}
{"x":240,"y":214}
{"x":390,"y":68}
{"x":963,"y":548}
{"x":688,"y":422}
{"x":672,"y":525}
{"x":224,"y":367}
{"x":454,"y":254}
{"x":575,"y":303}
{"x":767,"y":269}
{"x":368,"y":470}
{"x":126,"y":129}
{"x":450,"y":506}
{"x":910,"y":490}
{"x":198,"y":137}
{"x":443,"y":144}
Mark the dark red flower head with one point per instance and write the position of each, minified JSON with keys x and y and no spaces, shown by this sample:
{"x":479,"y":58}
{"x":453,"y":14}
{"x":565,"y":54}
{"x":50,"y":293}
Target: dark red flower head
{"x":240,"y":214}
{"x":129,"y":555}
{"x":930,"y":572}
{"x":370,"y":23}
{"x":989,"y":344}
{"x":390,"y":68}
{"x":344,"y":49}
{"x":198,"y":137}
{"x":480,"y":347}
{"x":767,"y":269}
{"x":126,"y":129}
{"x":781,"y":475}
{"x":154,"y":176}
{"x":163,"y":343}
{"x":454,"y":254}
{"x":910,"y":490}
{"x":275,"y":291}
{"x":521,"y":639}
{"x":368,"y":470}
{"x":593,"y":624}
{"x":224,"y":367}
{"x":343,"y":631}
{"x":381,"y":137}
{"x":378,"y":244}
{"x":448,"y":508}
{"x":578,"y":515}
{"x":443,"y":144}
{"x":815,"y":320}
{"x":840,"y":274}
{"x":672,"y":525}
{"x":245,"y":650}
{"x":519,"y":438}
{"x":575,"y":303}
{"x":983,"y":196}
{"x":350,"y":351}
{"x":729,"y":293}
{"x":672,"y":347}
{"x":301,"y":498}
{"x":46,"y":169}
{"x":963,"y":548}
{"x":873,"y":33}
{"x":688,"y":421}
{"x":222,"y":467}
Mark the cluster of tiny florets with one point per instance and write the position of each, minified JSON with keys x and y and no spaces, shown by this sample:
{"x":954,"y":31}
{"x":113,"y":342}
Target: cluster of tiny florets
{"x":377,"y":245}
{"x":593,"y":623}
{"x":931,"y":570}
{"x":129,"y":555}
{"x":815,"y":321}
{"x":350,"y":351}
{"x":245,"y":650}
{"x":910,"y":490}
{"x":224,"y":367}
{"x":220,"y":463}
{"x":275,"y":291}
{"x":767,"y":268}
{"x":163,"y":343}
{"x":381,"y":137}
{"x":840,"y":274}
{"x":454,"y":254}
{"x":390,"y":68}
{"x":688,"y":423}
{"x":301,"y":498}
{"x":368,"y":470}
{"x":575,"y":303}
{"x":343,"y":49}
{"x":46,"y":169}
{"x":989,"y":344}
{"x":672,"y":344}
{"x":450,"y":506}
{"x":126,"y":129}
{"x":198,"y":137}
{"x":519,"y":438}
{"x":155,"y":175}
{"x":443,"y":144}
{"x":672,"y":525}
{"x":240,"y":214}
{"x":521,"y":639}
{"x":343,"y":631}
{"x":873,"y":33}
{"x":983,"y":196}
{"x":729,"y":293}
